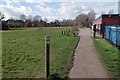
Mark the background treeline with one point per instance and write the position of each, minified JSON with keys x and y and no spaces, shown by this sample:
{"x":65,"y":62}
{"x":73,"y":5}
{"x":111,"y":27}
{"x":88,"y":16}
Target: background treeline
{"x":84,"y":20}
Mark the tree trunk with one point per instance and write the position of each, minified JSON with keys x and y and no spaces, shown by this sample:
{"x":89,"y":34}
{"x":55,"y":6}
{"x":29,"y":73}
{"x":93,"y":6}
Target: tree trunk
{"x":0,"y":24}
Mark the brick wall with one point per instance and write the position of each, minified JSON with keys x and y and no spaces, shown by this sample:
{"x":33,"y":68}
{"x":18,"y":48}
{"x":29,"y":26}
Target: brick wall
{"x":111,"y":20}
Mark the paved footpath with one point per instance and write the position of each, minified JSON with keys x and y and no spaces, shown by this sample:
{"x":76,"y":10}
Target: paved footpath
{"x":87,"y":63}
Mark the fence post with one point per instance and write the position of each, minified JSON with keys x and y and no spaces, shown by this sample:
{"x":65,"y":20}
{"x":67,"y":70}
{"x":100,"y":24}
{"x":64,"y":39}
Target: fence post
{"x":116,"y":36}
{"x":109,"y":34}
{"x":47,"y":55}
{"x":103,"y":30}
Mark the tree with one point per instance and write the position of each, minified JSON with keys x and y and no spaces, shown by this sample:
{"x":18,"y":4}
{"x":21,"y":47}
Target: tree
{"x":65,"y":22}
{"x":45,"y":19}
{"x":28,"y":23}
{"x":1,"y":17}
{"x":22,"y":17}
{"x":81,"y":20}
{"x":30,"y":17}
{"x":36,"y":20}
{"x":68,"y":22}
{"x":86,"y":20}
{"x":91,"y":17}
{"x":45,"y":22}
{"x":56,"y":23}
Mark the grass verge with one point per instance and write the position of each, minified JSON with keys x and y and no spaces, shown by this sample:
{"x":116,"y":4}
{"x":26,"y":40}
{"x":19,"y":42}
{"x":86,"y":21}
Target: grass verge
{"x":109,"y":55}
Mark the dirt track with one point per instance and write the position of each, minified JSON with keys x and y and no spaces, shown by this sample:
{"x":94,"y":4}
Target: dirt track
{"x":87,"y":63}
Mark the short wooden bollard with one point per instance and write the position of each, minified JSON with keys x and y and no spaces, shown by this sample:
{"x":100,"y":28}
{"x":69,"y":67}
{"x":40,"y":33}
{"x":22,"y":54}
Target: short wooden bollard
{"x":47,"y":55}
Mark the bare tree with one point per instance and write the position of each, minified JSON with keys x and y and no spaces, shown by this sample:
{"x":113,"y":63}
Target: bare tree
{"x":86,"y":20}
{"x":45,"y":22}
{"x":45,"y":19}
{"x":22,"y":17}
{"x":1,"y":17}
{"x":28,"y":21}
{"x":91,"y":17}
{"x":36,"y":20}
{"x":81,"y":20}
{"x":30,"y":17}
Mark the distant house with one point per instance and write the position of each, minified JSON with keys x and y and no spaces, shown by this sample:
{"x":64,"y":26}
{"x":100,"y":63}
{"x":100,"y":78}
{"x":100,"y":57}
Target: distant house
{"x":19,"y":23}
{"x":4,"y":25}
{"x":11,"y":23}
{"x":108,"y":20}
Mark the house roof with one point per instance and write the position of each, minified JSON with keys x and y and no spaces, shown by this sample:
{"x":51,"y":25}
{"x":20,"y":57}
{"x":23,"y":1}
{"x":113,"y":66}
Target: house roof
{"x":111,"y":15}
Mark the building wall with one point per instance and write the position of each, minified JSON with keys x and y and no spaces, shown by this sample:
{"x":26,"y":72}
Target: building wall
{"x":110,"y":21}
{"x":98,"y":23}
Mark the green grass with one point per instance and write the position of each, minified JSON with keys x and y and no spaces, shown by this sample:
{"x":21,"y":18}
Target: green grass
{"x":23,"y":52}
{"x":109,"y":55}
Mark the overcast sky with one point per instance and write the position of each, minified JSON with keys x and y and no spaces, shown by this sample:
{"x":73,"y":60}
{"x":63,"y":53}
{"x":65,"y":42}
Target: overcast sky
{"x":56,"y":9}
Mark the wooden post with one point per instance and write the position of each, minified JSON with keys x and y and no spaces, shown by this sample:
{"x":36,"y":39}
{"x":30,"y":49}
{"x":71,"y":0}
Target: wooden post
{"x":47,"y":55}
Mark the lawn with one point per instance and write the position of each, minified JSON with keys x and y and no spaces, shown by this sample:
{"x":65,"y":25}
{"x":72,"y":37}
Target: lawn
{"x":23,"y":52}
{"x":109,"y":55}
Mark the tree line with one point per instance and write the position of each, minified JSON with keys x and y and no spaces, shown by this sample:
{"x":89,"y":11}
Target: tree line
{"x":85,"y":20}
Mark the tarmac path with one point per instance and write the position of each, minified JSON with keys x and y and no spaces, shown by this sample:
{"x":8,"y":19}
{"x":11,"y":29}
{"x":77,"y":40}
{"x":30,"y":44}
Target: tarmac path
{"x":87,"y":62}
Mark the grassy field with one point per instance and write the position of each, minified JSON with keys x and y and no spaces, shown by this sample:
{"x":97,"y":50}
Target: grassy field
{"x":23,"y":52}
{"x":109,"y":55}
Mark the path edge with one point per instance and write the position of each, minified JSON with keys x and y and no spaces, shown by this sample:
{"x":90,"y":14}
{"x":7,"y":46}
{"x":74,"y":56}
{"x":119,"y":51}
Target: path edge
{"x":73,"y":57}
